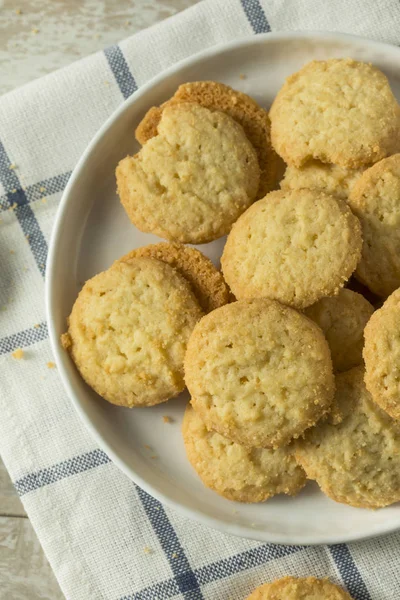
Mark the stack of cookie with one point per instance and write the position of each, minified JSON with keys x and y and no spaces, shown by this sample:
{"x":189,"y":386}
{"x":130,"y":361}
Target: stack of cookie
{"x":271,"y":349}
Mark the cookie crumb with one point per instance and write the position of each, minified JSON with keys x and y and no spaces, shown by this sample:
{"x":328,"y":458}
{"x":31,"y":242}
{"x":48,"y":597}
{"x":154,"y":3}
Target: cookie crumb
{"x":44,"y":200}
{"x":35,"y":30}
{"x":36,"y":326}
{"x":42,"y":189}
{"x":242,"y":76}
{"x":127,"y":22}
{"x":18,"y":354}
{"x":12,"y":251}
{"x":12,"y":167}
{"x":154,"y":457}
{"x":147,"y":446}
{"x":147,"y":550}
{"x":174,"y":555}
{"x":106,"y":82}
{"x":51,"y":365}
{"x":167,"y":419}
{"x":14,"y":191}
{"x":18,"y":11}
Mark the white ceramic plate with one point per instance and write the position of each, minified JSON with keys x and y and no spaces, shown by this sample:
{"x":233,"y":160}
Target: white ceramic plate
{"x":92,"y":230}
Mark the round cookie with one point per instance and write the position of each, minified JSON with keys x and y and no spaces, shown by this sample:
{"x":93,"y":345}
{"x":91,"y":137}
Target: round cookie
{"x":242,"y":108}
{"x":382,"y":355}
{"x":193,"y":180}
{"x":128,"y":331}
{"x":315,"y":175}
{"x":338,"y":111}
{"x":356,"y":461}
{"x":295,"y":246}
{"x":299,"y":588}
{"x":375,"y":199}
{"x":259,"y":373}
{"x":236,"y":472}
{"x":342,"y":318}
{"x":206,"y":281}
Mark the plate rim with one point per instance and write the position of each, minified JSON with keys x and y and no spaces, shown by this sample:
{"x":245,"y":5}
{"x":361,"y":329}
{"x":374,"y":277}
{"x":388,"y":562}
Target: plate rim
{"x":51,"y":264}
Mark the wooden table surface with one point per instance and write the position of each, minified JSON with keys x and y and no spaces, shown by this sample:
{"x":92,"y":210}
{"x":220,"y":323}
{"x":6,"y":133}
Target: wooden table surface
{"x":37,"y":37}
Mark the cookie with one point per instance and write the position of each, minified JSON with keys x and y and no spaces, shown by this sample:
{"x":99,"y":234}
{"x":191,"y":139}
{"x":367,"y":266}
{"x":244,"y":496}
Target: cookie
{"x":375,"y":199}
{"x":299,"y":588}
{"x":206,"y":280}
{"x":382,"y":355}
{"x":128,"y":331}
{"x":295,"y":246}
{"x":356,"y":461}
{"x":338,"y":111}
{"x":243,"y":109}
{"x":316,"y":175}
{"x":193,"y":180}
{"x":259,"y":373}
{"x":342,"y":318}
{"x":236,"y":472}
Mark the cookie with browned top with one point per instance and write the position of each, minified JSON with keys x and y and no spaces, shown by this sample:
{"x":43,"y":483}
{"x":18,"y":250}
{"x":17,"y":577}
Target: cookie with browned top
{"x":355,"y":461}
{"x":339,"y":111}
{"x":294,"y":246}
{"x":241,"y":107}
{"x":128,"y":331}
{"x":206,"y":280}
{"x":235,"y":471}
{"x":302,"y":588}
{"x":259,"y":373}
{"x":192,"y":180}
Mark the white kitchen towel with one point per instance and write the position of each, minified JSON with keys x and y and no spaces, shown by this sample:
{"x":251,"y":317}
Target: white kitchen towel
{"x":93,"y":523}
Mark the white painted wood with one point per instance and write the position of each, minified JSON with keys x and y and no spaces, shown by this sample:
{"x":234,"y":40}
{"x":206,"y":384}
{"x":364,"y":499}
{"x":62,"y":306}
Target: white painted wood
{"x":49,"y":35}
{"x":25,"y":573}
{"x":36,"y":38}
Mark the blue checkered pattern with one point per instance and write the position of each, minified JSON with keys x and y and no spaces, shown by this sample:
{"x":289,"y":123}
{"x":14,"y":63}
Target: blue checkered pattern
{"x":185,"y":579}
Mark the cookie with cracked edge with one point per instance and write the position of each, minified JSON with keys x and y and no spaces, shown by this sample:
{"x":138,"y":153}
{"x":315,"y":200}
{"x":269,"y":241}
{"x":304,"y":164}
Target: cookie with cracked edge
{"x":192,"y":180}
{"x":242,"y":108}
{"x":235,"y":471}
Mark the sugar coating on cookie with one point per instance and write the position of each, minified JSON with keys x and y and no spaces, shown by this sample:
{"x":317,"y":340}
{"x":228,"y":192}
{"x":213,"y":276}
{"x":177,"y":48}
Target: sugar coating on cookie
{"x":206,"y":280}
{"x":382,"y":355}
{"x":294,"y":246}
{"x":235,"y":471}
{"x":356,"y":461}
{"x":128,"y":332}
{"x":375,"y":199}
{"x":259,"y":373}
{"x":242,"y":108}
{"x":339,"y":111}
{"x":316,"y":175}
{"x":193,"y":180}
{"x":299,"y":588}
{"x":342,"y":318}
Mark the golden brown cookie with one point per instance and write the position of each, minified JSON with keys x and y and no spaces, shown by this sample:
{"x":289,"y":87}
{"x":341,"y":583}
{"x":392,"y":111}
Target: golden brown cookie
{"x":356,"y":461}
{"x":294,"y":246}
{"x":338,"y":111}
{"x":206,"y":280}
{"x":304,"y":588}
{"x":375,"y":199}
{"x":382,"y":355}
{"x":236,"y":472}
{"x":242,"y":108}
{"x":259,"y":373}
{"x":128,"y":331}
{"x":342,"y":318}
{"x":193,"y":180}
{"x":316,"y":175}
